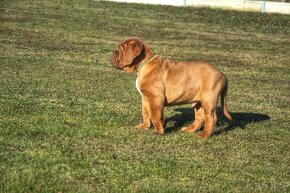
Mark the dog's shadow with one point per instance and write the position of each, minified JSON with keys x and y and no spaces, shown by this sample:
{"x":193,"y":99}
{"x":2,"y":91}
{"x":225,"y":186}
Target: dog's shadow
{"x":240,"y":120}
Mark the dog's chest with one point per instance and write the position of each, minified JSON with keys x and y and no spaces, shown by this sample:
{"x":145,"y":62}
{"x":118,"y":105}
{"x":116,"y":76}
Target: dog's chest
{"x":137,"y":86}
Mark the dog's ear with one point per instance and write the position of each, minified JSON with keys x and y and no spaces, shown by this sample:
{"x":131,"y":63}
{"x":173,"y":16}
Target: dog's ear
{"x":131,"y":48}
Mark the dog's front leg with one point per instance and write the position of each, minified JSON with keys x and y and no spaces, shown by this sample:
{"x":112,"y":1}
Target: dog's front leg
{"x":145,"y":115}
{"x":156,"y":111}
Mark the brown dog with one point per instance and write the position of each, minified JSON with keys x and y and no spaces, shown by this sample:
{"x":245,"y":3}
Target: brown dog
{"x":162,"y":82}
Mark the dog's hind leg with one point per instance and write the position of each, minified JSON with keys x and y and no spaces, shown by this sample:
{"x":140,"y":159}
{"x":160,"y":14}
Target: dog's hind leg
{"x":198,"y":121}
{"x":209,"y":107}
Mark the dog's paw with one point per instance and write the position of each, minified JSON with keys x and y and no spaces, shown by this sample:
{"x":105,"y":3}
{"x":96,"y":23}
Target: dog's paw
{"x":203,"y":135}
{"x":187,"y":129}
{"x":143,"y":126}
{"x":159,"y":131}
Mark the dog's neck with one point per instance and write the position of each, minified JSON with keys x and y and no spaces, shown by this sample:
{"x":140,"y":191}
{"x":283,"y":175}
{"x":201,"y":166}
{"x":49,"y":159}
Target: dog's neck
{"x":145,"y":61}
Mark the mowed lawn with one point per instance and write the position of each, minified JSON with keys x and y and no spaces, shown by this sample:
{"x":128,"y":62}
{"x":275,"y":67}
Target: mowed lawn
{"x":67,"y":117}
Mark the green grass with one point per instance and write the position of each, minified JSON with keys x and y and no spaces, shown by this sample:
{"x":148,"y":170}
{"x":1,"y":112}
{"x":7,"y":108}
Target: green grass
{"x":67,"y":117}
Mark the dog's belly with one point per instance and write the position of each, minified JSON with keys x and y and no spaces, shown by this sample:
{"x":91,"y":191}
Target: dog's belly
{"x":180,"y":100}
{"x":181,"y":96}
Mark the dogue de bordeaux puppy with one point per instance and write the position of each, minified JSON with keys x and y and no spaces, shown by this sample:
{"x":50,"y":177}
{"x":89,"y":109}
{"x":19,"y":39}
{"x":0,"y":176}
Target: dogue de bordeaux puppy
{"x":162,"y":82}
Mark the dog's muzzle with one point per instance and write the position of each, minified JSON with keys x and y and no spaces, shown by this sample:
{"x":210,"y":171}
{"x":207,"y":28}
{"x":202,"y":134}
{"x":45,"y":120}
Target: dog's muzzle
{"x":115,"y":61}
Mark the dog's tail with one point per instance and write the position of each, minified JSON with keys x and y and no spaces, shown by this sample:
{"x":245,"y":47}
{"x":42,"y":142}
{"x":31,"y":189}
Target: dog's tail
{"x":223,"y":101}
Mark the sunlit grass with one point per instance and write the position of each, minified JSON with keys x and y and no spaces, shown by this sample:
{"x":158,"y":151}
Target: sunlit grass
{"x":67,"y":117}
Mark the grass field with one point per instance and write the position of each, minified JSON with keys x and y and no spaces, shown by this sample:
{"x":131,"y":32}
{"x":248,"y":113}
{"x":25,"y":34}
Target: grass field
{"x":67,"y":117}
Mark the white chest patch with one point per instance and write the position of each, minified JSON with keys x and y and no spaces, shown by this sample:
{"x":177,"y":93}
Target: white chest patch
{"x":137,"y":86}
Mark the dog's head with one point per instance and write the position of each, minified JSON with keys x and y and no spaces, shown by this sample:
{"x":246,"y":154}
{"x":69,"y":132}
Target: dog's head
{"x":129,"y":54}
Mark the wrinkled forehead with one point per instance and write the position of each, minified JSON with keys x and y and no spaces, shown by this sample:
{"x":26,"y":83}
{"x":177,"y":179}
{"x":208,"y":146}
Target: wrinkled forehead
{"x":123,"y":44}
{"x":126,"y":42}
